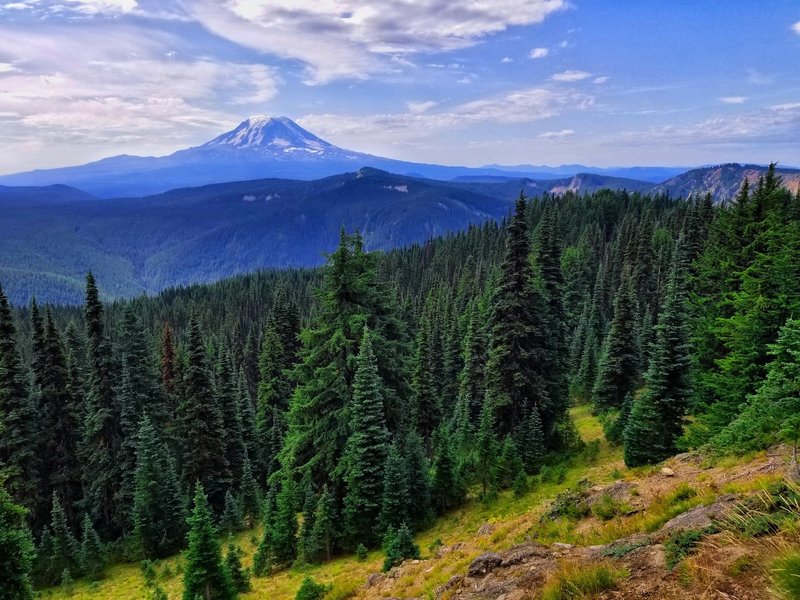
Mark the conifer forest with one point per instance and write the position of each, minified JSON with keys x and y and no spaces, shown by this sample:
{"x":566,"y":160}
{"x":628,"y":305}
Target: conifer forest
{"x":337,"y":411}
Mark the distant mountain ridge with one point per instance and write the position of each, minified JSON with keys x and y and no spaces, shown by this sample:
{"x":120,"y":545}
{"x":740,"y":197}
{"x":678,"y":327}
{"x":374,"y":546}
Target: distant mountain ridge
{"x":262,"y":147}
{"x":723,"y":182}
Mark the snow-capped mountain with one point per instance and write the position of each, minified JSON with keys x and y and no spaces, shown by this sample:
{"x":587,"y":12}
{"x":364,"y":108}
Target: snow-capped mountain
{"x":259,"y":147}
{"x":276,"y":135}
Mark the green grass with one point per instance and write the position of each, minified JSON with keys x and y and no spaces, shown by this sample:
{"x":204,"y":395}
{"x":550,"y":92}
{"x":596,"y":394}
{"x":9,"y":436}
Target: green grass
{"x":510,"y":513}
{"x":785,"y":574}
{"x":575,"y":582}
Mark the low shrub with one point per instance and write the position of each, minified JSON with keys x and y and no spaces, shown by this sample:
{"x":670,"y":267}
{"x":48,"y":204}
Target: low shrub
{"x":681,"y":544}
{"x":574,"y":582}
{"x":311,"y":590}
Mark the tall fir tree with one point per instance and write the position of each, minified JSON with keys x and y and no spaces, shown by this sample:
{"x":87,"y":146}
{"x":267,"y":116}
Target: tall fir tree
{"x":426,"y":402}
{"x":366,"y":450}
{"x":324,"y":534}
{"x":396,"y":497}
{"x":514,"y":379}
{"x":617,"y":372}
{"x":227,"y":398}
{"x":101,"y":436}
{"x":59,"y":464}
{"x":202,"y":428}
{"x":18,"y":416}
{"x":657,"y":416}
{"x":92,"y":554}
{"x":16,"y":551}
{"x":417,"y":469}
{"x":204,"y":575}
{"x":159,"y":513}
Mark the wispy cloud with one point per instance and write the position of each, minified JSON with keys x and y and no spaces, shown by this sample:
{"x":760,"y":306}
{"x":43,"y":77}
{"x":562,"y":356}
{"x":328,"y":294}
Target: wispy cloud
{"x":796,"y":28}
{"x":733,"y":99}
{"x":416,"y":108}
{"x":352,"y":39}
{"x":557,"y":135}
{"x":539,"y":53}
{"x":601,"y":80}
{"x":570,"y":76}
{"x":506,"y":60}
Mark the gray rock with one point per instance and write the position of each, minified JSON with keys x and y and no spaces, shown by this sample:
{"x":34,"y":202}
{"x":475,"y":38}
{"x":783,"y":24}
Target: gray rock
{"x":484,"y":564}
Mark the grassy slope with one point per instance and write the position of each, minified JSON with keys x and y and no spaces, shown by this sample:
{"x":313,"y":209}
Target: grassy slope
{"x":512,"y":520}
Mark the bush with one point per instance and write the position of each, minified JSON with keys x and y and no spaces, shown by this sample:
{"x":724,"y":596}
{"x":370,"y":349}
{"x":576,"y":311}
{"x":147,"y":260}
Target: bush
{"x":568,"y":503}
{"x":399,"y":546}
{"x":607,"y":508}
{"x":785,"y":573}
{"x":681,"y":544}
{"x":553,"y":474}
{"x":520,"y":487}
{"x":149,"y":574}
{"x":680,"y":494}
{"x":311,"y":590}
{"x":573,"y":582}
{"x":434,"y":546}
{"x":361,"y":553}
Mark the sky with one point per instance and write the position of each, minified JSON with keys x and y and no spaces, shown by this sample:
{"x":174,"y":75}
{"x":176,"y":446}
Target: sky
{"x":470,"y":82}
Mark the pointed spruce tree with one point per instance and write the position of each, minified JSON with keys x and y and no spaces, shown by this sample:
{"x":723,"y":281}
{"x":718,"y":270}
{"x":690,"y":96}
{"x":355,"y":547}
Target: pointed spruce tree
{"x":159,"y":513}
{"x":514,"y":379}
{"x":366,"y":450}
{"x":324,"y":534}
{"x":16,"y":551}
{"x":101,"y":435}
{"x":396,"y":498}
{"x":202,"y":428}
{"x":204,"y":575}
{"x":92,"y":555}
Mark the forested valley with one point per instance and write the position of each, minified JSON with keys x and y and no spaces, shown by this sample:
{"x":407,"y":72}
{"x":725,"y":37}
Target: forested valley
{"x":340,"y":410}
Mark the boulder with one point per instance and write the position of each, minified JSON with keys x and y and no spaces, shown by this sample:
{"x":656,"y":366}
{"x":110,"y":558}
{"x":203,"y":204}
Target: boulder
{"x":484,"y":564}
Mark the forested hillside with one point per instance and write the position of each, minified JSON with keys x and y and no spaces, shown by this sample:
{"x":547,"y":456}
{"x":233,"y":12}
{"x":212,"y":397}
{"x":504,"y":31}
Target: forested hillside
{"x":345,"y":408}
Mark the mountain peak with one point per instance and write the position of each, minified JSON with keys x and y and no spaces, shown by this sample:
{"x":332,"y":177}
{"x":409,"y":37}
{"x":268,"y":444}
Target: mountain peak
{"x":274,"y":134}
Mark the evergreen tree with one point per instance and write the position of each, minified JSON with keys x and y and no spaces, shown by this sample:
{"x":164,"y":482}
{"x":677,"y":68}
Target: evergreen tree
{"x":656,"y":417}
{"x":418,"y":478}
{"x":59,"y":466}
{"x":426,"y":401}
{"x":92,"y":558}
{"x":168,"y":374}
{"x":617,"y":373}
{"x":486,"y":448}
{"x":447,"y":489}
{"x":530,"y":442}
{"x":101,"y":436}
{"x":250,"y":437}
{"x":283,"y":534}
{"x":509,"y":464}
{"x":365,"y":454}
{"x":350,"y":298}
{"x":305,"y":542}
{"x":202,"y":427}
{"x":140,"y":391}
{"x":324,"y":533}
{"x":249,"y":496}
{"x":396,"y":497}
{"x":64,"y":547}
{"x":262,"y":559}
{"x":227,"y":398}
{"x":399,"y":546}
{"x":240,"y":578}
{"x":158,"y":509}
{"x":514,"y":379}
{"x":231,"y":519}
{"x":471,"y":389}
{"x":16,"y":551}
{"x":18,"y":416}
{"x":204,"y":575}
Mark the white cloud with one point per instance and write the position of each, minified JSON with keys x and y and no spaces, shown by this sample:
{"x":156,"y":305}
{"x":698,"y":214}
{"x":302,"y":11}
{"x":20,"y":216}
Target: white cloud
{"x":733,"y":99}
{"x":539,"y":53}
{"x":7,"y":67}
{"x":570,"y":76}
{"x":557,"y":135}
{"x":348,"y":38}
{"x":507,"y":59}
{"x":796,"y":28}
{"x":373,"y":132}
{"x":776,"y":124}
{"x":416,"y":108}
{"x":563,"y":44}
{"x":601,"y":80}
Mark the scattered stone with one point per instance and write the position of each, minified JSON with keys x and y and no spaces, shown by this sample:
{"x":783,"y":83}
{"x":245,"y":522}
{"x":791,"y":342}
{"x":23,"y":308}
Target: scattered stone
{"x":484,"y":563}
{"x":523,"y":553}
{"x":562,"y":546}
{"x":619,"y":491}
{"x":667,"y":472}
{"x":700,"y":516}
{"x":451,"y":583}
{"x":486,"y":529}
{"x":374,"y":579}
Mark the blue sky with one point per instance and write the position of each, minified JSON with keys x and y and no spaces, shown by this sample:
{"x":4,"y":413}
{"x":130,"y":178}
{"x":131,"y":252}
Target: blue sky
{"x":599,"y":82}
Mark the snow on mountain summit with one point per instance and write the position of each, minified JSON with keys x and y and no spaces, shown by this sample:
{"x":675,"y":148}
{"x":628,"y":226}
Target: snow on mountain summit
{"x":279,"y":135}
